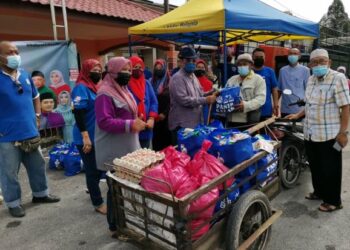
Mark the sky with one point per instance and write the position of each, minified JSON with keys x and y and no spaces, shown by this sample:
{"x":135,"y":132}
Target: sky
{"x":308,"y":9}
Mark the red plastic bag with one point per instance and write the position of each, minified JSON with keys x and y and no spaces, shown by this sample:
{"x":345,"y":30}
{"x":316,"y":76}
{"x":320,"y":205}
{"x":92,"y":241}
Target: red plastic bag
{"x":200,"y":204}
{"x":187,"y":187}
{"x":172,"y":171}
{"x":204,"y":164}
{"x":177,"y":158}
{"x":195,"y":224}
{"x":159,"y":173}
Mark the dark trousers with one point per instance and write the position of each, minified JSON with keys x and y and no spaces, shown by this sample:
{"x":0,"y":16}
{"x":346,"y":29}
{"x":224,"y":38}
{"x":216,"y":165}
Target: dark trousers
{"x":326,"y":170}
{"x":174,"y":136}
{"x":145,"y":143}
{"x":92,"y":175}
{"x":111,"y":217}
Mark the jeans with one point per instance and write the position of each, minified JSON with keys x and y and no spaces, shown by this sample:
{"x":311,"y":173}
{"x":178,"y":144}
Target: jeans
{"x":92,"y":176}
{"x":11,"y":158}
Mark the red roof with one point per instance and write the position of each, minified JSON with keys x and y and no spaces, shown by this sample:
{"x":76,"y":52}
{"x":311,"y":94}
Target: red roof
{"x":114,"y":8}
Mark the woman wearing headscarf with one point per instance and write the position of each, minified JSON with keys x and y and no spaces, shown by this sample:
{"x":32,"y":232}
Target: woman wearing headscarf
{"x":118,"y":125}
{"x":84,"y":95}
{"x":64,"y":108}
{"x":201,"y":74}
{"x":147,"y":104}
{"x":57,"y":82}
{"x":160,"y":84}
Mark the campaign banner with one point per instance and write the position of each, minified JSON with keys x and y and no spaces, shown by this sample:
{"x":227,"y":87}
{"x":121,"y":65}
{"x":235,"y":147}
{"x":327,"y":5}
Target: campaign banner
{"x":56,"y":59}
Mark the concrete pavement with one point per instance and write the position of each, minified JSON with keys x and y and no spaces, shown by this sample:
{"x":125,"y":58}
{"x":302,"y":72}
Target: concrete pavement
{"x":73,"y":224}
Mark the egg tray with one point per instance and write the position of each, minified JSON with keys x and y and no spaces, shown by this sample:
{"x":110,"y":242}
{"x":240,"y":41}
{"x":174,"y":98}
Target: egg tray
{"x":130,"y":175}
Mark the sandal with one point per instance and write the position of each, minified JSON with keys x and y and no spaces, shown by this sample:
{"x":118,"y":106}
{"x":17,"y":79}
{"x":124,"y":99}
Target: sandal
{"x":312,"y":196}
{"x":328,"y":208}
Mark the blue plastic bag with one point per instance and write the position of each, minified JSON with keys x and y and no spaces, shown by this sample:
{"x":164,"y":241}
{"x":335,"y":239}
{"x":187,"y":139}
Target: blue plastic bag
{"x":232,"y":152}
{"x":231,"y":197}
{"x":56,"y":156}
{"x":228,"y":98}
{"x":72,"y":162}
{"x":249,"y":171}
{"x":245,"y":187}
{"x":191,"y":140}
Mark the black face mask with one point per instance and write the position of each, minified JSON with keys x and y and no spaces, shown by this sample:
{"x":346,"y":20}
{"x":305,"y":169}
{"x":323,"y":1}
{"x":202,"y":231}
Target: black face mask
{"x":123,"y":78}
{"x":95,"y":77}
{"x":199,"y":72}
{"x":137,"y":73}
{"x":159,"y":73}
{"x":259,"y":62}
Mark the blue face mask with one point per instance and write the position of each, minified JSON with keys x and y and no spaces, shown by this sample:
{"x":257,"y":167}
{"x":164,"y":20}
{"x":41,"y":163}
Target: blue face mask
{"x":293,"y":59}
{"x":320,"y":70}
{"x":243,"y":70}
{"x":13,"y":62}
{"x":190,"y":67}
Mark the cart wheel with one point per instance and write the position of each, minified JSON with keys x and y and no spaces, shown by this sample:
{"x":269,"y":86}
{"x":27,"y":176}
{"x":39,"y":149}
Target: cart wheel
{"x":290,"y":165}
{"x":248,"y":214}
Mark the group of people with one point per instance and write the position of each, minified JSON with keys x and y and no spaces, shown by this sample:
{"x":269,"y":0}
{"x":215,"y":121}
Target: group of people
{"x":124,"y":111}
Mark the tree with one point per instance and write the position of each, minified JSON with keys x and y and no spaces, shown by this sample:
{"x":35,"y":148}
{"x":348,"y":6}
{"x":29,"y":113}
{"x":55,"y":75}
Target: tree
{"x":336,"y":21}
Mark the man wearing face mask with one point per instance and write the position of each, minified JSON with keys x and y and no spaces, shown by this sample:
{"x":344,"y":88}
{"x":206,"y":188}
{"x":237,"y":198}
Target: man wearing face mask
{"x":19,"y":133}
{"x":294,"y":77}
{"x":270,"y":107}
{"x":325,"y":129}
{"x":186,"y":95}
{"x":253,"y":93}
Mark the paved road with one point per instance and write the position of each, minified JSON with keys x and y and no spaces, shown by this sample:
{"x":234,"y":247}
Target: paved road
{"x":72,"y":224}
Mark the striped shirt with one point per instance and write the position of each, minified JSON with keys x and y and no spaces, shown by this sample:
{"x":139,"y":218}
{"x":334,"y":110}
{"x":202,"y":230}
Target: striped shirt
{"x":324,"y":97}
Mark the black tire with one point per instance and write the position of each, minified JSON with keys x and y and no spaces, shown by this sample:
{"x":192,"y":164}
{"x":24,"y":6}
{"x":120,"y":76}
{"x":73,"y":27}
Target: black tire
{"x":248,"y":214}
{"x":290,"y":164}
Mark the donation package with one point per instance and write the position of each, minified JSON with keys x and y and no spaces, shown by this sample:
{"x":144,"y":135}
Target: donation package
{"x":203,"y":154}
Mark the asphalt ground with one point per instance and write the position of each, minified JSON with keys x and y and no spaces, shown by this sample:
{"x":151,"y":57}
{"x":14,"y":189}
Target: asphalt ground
{"x":73,"y":223}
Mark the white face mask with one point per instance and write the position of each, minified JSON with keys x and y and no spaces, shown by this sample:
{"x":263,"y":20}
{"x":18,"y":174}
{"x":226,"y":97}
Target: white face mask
{"x":13,"y":62}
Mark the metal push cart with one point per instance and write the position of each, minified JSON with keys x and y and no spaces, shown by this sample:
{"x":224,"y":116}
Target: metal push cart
{"x":161,"y":221}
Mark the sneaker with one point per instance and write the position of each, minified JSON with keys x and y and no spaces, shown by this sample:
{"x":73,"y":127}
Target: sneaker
{"x":17,"y":211}
{"x":47,"y":199}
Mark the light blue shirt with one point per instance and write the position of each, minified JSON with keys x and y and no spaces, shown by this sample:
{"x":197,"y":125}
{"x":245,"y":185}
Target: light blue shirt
{"x":295,"y":79}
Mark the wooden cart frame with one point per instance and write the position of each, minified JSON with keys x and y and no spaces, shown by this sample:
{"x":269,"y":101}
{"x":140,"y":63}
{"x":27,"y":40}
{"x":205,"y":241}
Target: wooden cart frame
{"x":180,"y":220}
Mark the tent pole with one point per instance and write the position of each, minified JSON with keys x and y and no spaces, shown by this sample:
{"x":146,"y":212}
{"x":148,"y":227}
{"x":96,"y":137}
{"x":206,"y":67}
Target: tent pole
{"x":225,"y":58}
{"x":130,"y":52}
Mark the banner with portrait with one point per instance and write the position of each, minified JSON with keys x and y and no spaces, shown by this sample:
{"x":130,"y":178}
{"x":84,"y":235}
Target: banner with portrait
{"x":57,"y":60}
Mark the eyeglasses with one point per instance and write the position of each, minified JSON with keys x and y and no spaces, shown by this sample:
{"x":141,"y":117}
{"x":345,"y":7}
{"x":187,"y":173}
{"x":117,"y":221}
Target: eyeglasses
{"x":319,"y":62}
{"x":18,"y":86}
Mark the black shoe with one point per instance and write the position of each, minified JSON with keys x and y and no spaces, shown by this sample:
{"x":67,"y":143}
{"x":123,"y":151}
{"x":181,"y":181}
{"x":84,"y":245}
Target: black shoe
{"x":47,"y":199}
{"x":17,"y":211}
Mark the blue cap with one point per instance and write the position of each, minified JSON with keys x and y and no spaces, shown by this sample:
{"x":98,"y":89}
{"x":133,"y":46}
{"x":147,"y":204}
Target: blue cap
{"x":187,"y":52}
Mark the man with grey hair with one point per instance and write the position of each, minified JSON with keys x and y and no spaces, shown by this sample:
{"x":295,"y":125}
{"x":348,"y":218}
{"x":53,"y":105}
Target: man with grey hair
{"x":294,"y":77}
{"x":325,"y":129}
